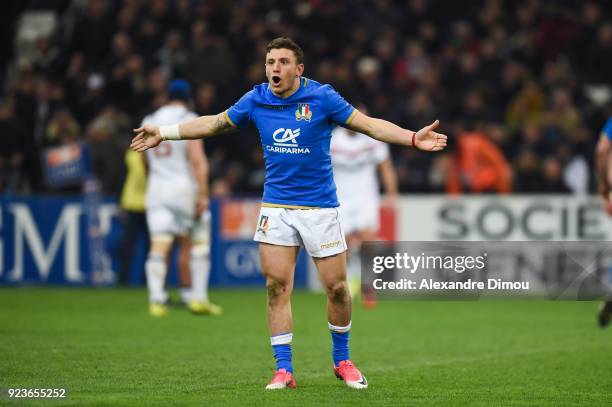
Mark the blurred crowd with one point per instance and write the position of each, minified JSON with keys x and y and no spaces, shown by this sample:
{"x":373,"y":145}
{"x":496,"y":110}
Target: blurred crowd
{"x":521,"y":87}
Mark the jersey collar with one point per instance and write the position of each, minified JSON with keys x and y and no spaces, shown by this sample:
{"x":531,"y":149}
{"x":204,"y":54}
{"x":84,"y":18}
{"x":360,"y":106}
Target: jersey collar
{"x":298,"y":90}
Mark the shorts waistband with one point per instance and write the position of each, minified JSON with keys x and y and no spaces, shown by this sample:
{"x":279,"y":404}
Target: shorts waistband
{"x":272,"y":205}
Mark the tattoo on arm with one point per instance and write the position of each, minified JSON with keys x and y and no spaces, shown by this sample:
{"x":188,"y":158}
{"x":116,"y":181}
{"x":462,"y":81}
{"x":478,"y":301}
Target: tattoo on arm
{"x":221,"y":124}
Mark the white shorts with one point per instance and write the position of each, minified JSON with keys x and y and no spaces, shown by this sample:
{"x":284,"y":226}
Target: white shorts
{"x":318,"y":230}
{"x":358,"y":216}
{"x":168,"y":220}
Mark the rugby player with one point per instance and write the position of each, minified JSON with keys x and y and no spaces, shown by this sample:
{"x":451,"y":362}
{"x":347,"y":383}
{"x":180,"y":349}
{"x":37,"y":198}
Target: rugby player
{"x":295,"y":117}
{"x":177,"y":208}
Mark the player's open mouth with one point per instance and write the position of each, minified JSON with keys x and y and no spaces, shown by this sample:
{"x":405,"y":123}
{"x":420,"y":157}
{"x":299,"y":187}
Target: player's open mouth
{"x":276,"y":80}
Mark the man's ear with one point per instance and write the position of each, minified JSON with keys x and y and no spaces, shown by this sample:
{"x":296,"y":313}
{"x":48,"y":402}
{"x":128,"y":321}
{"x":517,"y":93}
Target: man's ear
{"x":299,"y":70}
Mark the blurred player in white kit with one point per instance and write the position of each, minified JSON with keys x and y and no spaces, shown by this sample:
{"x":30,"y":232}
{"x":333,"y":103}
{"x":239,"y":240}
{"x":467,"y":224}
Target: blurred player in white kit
{"x":356,"y":159}
{"x":177,"y":208}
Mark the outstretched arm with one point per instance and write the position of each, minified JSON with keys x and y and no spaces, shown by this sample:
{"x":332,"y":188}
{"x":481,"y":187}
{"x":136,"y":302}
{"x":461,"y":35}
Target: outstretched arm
{"x":425,"y":139}
{"x":149,"y":136}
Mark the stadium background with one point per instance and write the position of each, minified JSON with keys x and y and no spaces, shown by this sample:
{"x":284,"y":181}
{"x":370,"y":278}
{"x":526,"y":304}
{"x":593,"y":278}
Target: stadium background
{"x":527,"y":81}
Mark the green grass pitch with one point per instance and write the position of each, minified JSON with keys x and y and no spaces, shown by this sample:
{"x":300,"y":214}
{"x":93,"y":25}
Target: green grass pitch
{"x":104,"y":347}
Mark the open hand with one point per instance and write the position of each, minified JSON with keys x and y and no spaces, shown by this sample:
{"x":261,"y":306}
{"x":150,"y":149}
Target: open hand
{"x":427,"y":139}
{"x":202,"y":204}
{"x":146,"y":137}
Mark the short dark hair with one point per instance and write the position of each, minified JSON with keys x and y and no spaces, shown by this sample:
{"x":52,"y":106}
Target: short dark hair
{"x":287,"y":43}
{"x":179,"y":89}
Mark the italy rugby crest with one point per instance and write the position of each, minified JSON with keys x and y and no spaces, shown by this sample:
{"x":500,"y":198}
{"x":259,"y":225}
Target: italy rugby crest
{"x":303,"y":112}
{"x":262,"y":226}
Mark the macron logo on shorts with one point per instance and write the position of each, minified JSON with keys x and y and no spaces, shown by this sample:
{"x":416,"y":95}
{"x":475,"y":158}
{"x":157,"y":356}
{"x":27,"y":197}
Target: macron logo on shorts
{"x":285,"y":142}
{"x":330,"y":245}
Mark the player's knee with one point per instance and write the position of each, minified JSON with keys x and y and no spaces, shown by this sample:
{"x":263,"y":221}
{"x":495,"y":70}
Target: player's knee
{"x":200,"y":249}
{"x":160,"y":245}
{"x":156,"y":253}
{"x":276,"y":287}
{"x":337,"y":291}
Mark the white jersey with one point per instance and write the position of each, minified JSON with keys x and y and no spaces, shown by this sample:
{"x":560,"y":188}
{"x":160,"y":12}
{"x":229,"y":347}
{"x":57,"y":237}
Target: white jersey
{"x":355,"y":158}
{"x":170,"y":174}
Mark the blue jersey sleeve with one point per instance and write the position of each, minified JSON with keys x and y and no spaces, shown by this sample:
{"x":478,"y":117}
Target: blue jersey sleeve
{"x":239,"y":115}
{"x":607,"y":129}
{"x":339,"y":110}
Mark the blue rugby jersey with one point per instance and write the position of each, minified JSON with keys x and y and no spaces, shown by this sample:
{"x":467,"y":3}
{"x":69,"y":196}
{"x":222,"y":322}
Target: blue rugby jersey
{"x":607,"y":129}
{"x":295,"y":134}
